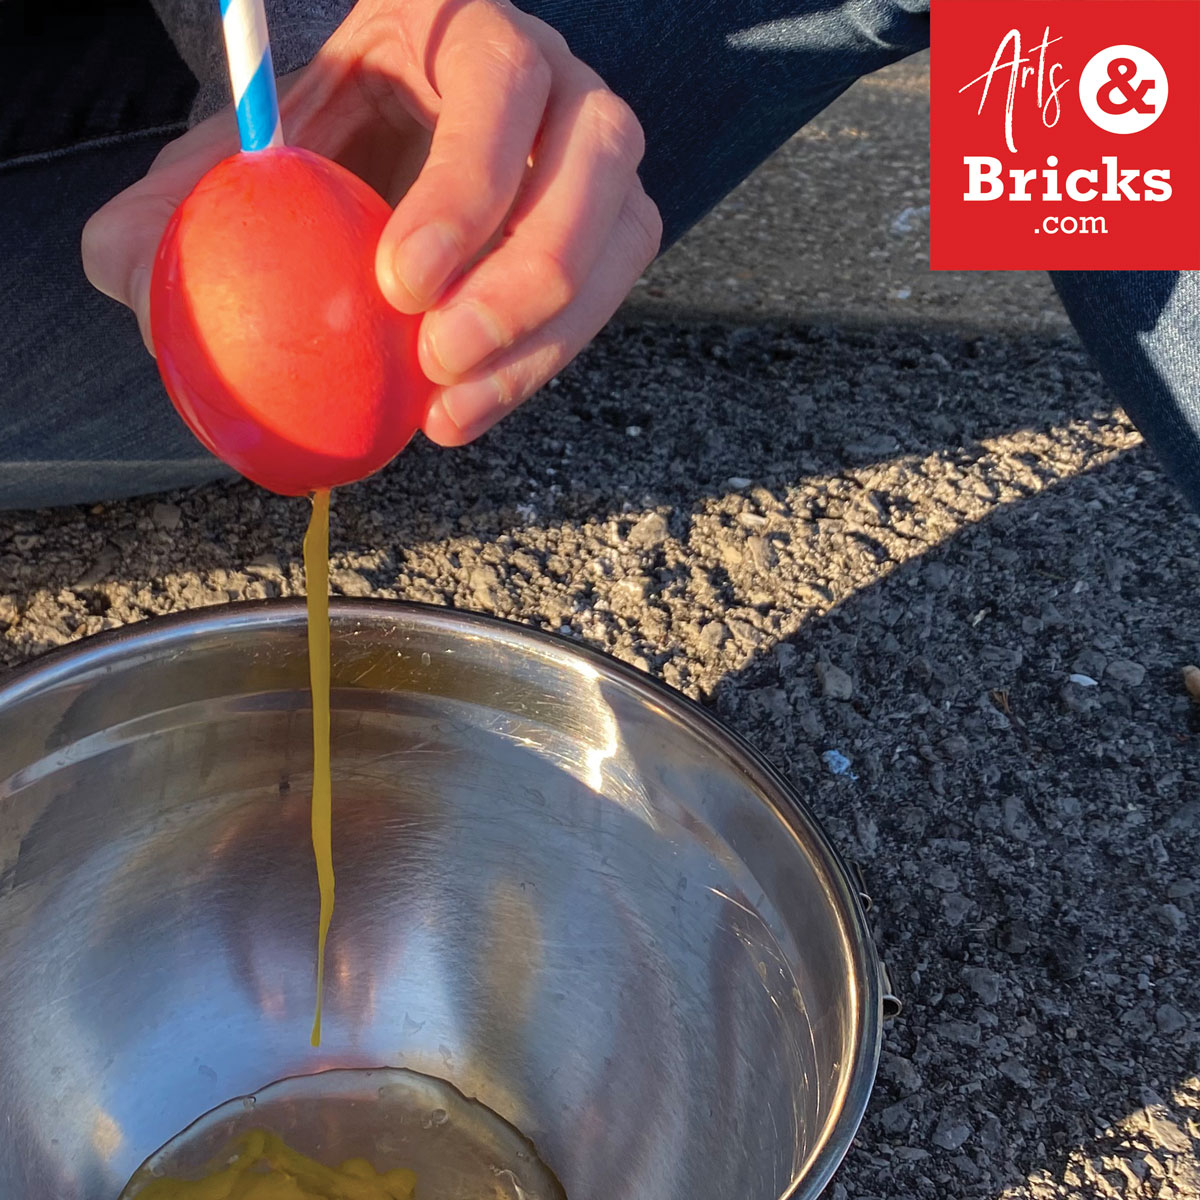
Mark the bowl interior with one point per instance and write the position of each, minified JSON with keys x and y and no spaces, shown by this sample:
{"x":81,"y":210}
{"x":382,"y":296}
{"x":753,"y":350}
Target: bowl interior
{"x":558,"y":887}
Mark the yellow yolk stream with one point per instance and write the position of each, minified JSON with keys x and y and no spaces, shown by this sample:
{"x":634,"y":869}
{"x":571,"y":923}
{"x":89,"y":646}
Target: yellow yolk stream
{"x":260,"y":1167}
{"x":316,"y":580}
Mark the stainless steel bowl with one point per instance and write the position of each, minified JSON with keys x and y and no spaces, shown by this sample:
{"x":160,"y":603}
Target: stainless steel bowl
{"x":561,"y":887}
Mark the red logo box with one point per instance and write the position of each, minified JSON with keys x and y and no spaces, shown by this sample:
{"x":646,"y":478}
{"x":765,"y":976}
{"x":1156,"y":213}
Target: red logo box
{"x":1065,"y":134}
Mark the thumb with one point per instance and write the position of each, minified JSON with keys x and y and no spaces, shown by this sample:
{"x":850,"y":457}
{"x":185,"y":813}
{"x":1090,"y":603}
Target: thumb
{"x":119,"y":244}
{"x":119,"y":241}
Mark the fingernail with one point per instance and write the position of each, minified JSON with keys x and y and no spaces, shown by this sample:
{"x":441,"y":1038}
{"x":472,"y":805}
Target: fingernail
{"x":470,"y":405}
{"x":463,"y":336}
{"x":425,"y":260}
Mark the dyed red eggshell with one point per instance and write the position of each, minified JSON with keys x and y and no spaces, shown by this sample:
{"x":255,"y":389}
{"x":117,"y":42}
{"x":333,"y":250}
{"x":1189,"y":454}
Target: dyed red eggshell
{"x":272,"y":336}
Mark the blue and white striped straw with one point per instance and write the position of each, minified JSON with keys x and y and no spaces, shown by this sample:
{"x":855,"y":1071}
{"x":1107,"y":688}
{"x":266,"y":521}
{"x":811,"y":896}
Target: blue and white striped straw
{"x":251,"y":73}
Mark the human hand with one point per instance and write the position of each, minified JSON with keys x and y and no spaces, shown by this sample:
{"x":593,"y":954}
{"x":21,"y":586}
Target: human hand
{"x":520,"y":223}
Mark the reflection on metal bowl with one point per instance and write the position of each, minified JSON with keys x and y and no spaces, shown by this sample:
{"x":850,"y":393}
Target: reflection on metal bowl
{"x":561,"y":887}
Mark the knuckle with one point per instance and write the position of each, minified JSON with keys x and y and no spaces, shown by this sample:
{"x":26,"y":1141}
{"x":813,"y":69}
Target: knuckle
{"x":553,"y":356}
{"x":556,"y":283}
{"x":615,"y":124}
{"x":505,"y":65}
{"x":518,"y":59}
{"x":170,"y":153}
{"x":552,"y":42}
{"x":523,"y":379}
{"x":508,"y":388}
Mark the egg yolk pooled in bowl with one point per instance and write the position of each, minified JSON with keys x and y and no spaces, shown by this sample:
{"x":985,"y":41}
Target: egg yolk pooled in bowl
{"x":260,"y":1167}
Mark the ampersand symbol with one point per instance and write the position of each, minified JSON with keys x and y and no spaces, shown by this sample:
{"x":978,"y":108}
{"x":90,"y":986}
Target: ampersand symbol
{"x":1122,"y":72}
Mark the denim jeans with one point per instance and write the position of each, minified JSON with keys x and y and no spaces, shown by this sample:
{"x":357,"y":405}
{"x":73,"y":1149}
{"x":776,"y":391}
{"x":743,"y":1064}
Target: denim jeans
{"x":718,"y":85}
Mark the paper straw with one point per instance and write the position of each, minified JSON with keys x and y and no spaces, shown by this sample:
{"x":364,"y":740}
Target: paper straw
{"x":251,"y":73}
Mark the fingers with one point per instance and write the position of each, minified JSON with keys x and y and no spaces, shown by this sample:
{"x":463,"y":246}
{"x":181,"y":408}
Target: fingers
{"x":526,"y":225}
{"x":531,"y":181}
{"x":119,"y":241}
{"x":493,"y":82}
{"x":461,"y":412}
{"x":584,"y":170}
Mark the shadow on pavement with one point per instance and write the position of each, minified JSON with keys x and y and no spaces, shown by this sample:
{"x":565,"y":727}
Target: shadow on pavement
{"x":956,"y":521}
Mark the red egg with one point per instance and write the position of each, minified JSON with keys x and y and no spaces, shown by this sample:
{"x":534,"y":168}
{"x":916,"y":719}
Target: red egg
{"x":273,"y":338}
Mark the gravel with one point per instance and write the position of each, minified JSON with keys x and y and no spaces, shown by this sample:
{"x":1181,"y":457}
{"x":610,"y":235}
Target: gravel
{"x":893,"y":529}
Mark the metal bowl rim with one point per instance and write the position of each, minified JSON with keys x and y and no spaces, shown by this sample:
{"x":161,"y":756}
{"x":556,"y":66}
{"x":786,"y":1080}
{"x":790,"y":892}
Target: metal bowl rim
{"x":109,"y":646}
